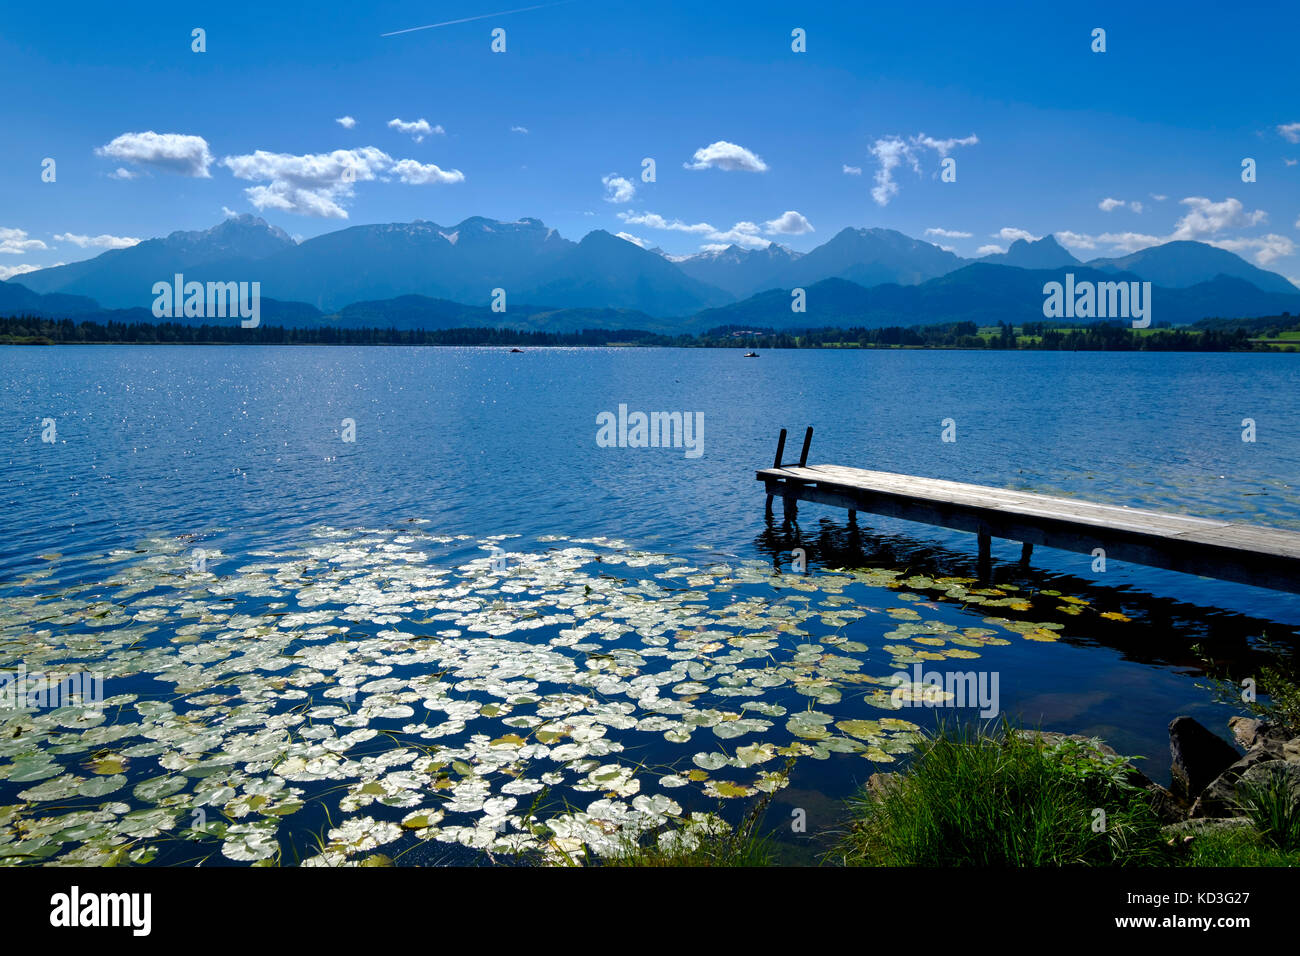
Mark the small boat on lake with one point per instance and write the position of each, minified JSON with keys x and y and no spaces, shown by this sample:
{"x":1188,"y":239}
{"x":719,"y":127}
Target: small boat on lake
{"x":750,"y":355}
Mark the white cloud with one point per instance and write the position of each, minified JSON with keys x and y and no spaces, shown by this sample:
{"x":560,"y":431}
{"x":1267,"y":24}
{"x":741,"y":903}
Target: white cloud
{"x":1076,"y":240}
{"x":283,"y":197}
{"x":943,"y":146}
{"x":1203,"y":222}
{"x":8,"y":272}
{"x":228,"y":212}
{"x":988,"y":250}
{"x":519,"y":129}
{"x":1120,"y":242}
{"x":98,"y":242}
{"x":618,"y":189}
{"x":743,"y":234}
{"x":1158,"y":197}
{"x":415,"y":173}
{"x":308,"y":185}
{"x":727,"y":156}
{"x":1130,"y":241}
{"x":891,"y":152}
{"x":789,"y":223}
{"x":347,"y":122}
{"x":1207,"y":218}
{"x":852,"y":170}
{"x":1011,"y":234}
{"x":635,"y":240}
{"x":655,"y":221}
{"x":123,"y":173}
{"x":14,"y":242}
{"x":1291,"y":162}
{"x":171,"y":152}
{"x":1290,"y":132}
{"x":315,"y":184}
{"x":947,"y":233}
{"x":1108,"y":204}
{"x":417,"y":130}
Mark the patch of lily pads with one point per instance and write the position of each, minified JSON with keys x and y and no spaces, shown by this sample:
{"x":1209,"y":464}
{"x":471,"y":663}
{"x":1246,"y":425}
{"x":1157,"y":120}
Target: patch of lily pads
{"x":349,"y":700}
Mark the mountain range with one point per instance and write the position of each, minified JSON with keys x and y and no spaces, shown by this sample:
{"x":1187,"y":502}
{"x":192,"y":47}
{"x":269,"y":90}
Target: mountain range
{"x":423,"y":275}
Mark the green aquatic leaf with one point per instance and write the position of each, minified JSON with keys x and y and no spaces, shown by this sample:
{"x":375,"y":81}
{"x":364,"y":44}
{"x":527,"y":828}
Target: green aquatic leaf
{"x":862,"y":729}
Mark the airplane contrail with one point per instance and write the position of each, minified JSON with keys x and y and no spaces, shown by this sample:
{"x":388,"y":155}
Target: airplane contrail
{"x":447,"y":23}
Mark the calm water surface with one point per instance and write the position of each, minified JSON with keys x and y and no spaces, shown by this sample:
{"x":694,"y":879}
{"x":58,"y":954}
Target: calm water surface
{"x":239,"y":452}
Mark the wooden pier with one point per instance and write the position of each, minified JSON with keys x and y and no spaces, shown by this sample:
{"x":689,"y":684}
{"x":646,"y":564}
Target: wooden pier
{"x":1248,"y":554}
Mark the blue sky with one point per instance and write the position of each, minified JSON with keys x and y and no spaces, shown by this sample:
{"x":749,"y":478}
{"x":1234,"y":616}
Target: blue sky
{"x":1043,"y":130}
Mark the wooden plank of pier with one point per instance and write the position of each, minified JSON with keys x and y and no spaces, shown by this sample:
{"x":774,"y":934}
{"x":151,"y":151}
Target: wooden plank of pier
{"x":1248,"y":554}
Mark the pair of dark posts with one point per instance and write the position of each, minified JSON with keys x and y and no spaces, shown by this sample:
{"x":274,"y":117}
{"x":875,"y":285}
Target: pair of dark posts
{"x":790,"y":504}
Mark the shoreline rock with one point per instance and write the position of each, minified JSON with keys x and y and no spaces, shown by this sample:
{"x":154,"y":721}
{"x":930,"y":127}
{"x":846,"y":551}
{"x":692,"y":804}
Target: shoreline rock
{"x":1269,"y":752}
{"x":1199,"y":757}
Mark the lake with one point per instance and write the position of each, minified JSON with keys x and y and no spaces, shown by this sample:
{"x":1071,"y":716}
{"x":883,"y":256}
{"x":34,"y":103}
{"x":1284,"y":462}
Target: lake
{"x":399,"y":601}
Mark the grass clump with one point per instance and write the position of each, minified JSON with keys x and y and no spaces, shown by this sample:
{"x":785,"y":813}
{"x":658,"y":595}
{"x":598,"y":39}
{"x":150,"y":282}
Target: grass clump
{"x":1272,"y":808}
{"x":993,"y":798}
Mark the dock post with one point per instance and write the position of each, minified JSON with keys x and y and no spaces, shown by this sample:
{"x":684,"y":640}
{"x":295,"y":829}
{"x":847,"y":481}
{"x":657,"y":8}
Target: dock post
{"x":853,"y":517}
{"x":780,"y":449}
{"x":1026,"y":549}
{"x":985,"y":558}
{"x":776,"y":463}
{"x":803,"y":455}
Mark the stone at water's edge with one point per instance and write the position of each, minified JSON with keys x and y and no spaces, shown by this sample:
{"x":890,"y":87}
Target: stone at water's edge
{"x":1166,"y":806}
{"x":1199,"y":756}
{"x":1269,"y":751}
{"x":1245,"y":730}
{"x":1219,"y":798}
{"x":1270,"y":772}
{"x":1230,"y":790}
{"x":1251,"y":732}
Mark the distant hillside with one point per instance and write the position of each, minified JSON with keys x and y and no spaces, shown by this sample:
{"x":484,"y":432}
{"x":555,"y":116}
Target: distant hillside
{"x":871,"y":257}
{"x":121,"y":278}
{"x":421,"y":274}
{"x":18,"y":299}
{"x":604,"y":271}
{"x":1181,"y":264}
{"x":405,"y":313}
{"x":983,"y":294}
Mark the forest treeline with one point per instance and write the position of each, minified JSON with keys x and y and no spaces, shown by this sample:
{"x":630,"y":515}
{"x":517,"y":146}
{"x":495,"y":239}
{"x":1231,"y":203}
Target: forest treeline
{"x":1210,"y":335}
